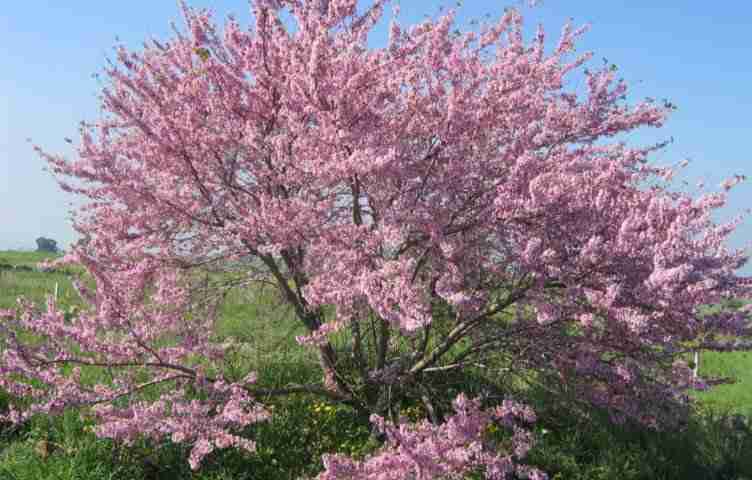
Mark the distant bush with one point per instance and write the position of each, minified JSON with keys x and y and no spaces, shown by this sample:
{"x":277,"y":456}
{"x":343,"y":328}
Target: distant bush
{"x":46,"y":245}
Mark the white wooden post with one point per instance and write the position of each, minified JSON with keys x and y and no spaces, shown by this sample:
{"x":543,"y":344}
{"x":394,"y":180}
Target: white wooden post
{"x":696,"y":369}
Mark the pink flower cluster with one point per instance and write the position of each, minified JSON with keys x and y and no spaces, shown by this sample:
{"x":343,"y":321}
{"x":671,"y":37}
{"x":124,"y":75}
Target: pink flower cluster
{"x":453,"y":449}
{"x":186,"y":421}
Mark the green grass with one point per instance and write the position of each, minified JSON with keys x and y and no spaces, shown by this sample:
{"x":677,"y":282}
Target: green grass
{"x":734,"y":397}
{"x":35,"y":286}
{"x":32,"y":284}
{"x":301,"y":429}
{"x":594,"y":448}
{"x":28,"y":259}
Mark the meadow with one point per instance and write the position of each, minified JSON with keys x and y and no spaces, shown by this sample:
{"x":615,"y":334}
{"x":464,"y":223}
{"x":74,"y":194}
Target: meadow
{"x":715,"y":444}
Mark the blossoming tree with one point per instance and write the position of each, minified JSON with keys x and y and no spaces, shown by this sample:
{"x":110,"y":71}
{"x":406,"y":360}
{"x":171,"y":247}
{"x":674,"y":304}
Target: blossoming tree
{"x":439,"y":203}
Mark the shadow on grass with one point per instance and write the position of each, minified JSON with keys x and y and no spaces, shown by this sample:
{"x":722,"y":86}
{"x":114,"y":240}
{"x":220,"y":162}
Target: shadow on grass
{"x":712,"y":445}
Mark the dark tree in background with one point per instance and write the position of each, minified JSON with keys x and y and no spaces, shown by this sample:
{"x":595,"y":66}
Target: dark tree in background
{"x":46,"y":245}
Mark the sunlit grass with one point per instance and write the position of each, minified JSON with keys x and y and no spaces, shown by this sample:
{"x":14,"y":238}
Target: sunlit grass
{"x":28,"y":259}
{"x":731,"y":397}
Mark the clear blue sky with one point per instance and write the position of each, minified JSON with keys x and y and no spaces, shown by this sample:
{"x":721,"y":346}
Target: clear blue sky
{"x":696,"y":54}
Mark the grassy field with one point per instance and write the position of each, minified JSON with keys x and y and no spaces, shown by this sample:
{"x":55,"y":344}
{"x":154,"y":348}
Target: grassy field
{"x":27,"y":259}
{"x":31,"y":283}
{"x":714,"y":445}
{"x":734,"y":397}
